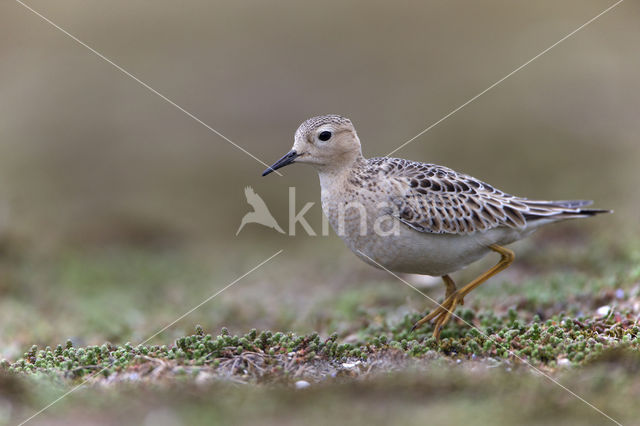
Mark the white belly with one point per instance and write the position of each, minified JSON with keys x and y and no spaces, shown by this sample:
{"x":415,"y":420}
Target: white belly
{"x":416,"y":252}
{"x":403,"y":249}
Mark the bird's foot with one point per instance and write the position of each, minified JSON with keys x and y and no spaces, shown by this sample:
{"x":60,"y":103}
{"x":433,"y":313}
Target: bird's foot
{"x":442,"y":314}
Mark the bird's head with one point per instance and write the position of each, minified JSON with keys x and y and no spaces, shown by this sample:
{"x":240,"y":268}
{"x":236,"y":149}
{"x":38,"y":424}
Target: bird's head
{"x":327,"y":142}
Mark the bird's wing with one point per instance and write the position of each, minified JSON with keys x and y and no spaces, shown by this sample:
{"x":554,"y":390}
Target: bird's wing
{"x":254,"y":200}
{"x":248,"y":192}
{"x":436,"y":199}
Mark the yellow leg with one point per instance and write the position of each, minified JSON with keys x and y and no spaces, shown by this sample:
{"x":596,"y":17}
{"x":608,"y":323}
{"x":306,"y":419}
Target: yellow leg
{"x":451,"y":286}
{"x":443,"y":312}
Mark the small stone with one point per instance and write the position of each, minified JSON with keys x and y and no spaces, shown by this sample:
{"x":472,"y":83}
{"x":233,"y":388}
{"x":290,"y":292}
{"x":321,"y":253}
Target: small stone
{"x":350,"y":365}
{"x":302,"y":384}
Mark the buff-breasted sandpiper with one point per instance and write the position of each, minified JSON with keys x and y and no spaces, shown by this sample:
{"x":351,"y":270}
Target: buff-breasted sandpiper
{"x":413,"y":217}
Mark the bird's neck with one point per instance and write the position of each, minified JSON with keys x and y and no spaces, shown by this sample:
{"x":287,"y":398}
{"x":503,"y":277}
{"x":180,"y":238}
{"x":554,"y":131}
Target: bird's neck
{"x":339,"y":172}
{"x":341,"y":165}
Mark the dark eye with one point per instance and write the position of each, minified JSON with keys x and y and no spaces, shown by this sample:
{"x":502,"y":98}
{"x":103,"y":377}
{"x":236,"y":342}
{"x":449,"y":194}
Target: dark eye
{"x":324,"y":136}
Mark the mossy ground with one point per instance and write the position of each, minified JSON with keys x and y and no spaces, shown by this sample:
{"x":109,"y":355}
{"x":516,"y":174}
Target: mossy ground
{"x":337,"y":352}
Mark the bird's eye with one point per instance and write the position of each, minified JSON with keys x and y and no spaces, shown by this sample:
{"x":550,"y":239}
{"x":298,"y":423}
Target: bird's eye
{"x":324,"y":136}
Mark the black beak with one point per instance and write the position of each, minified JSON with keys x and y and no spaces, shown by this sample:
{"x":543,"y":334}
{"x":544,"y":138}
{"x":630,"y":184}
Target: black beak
{"x":284,"y":161}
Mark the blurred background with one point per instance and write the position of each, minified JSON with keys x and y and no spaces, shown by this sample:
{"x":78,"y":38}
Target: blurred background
{"x":114,"y":204}
{"x":118,"y":212}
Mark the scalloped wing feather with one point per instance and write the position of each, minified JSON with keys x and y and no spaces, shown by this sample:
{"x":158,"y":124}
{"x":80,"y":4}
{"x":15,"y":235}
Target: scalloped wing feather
{"x":436,"y":199}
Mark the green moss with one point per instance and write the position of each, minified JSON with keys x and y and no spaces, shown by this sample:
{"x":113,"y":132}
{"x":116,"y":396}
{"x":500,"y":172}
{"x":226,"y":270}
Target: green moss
{"x":509,"y":337}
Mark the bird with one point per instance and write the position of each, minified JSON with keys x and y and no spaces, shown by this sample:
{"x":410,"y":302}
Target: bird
{"x":260,"y":213}
{"x":412,"y":217}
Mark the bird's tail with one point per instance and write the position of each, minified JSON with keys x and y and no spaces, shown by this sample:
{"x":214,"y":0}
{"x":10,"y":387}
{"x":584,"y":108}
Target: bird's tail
{"x":560,"y":209}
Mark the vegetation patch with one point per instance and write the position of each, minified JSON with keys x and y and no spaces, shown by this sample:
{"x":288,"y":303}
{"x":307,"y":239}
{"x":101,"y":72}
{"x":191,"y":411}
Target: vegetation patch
{"x":266,"y":355}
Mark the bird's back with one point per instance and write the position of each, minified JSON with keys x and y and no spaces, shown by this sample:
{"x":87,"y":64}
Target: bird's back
{"x":436,"y":199}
